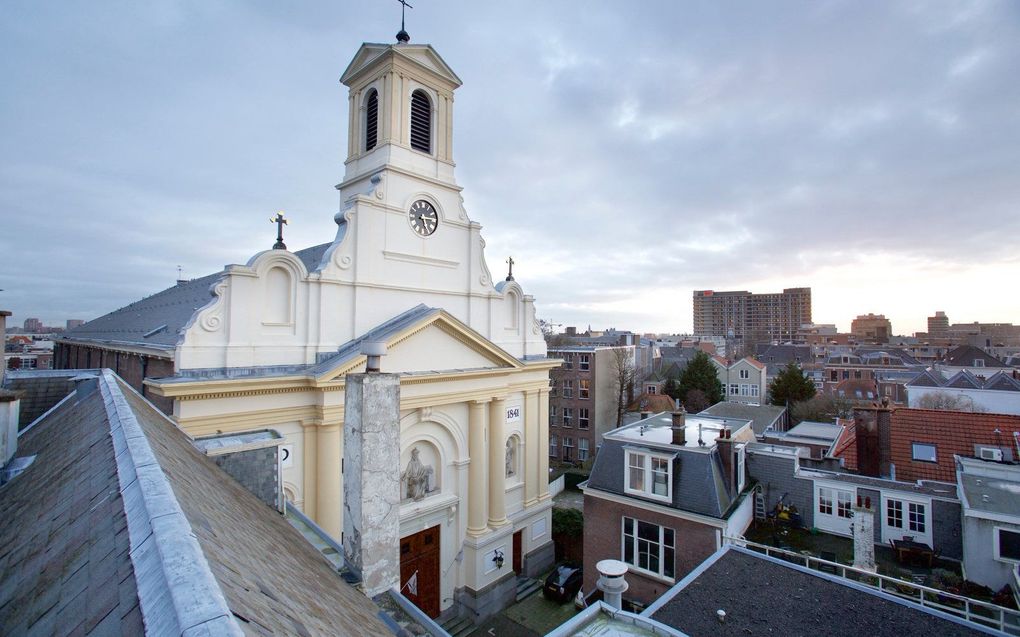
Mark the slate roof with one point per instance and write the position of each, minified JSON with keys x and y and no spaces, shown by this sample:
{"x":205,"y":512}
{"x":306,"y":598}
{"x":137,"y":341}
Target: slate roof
{"x":777,"y":356}
{"x":156,"y":321}
{"x":698,"y":484}
{"x":952,"y":432}
{"x":761,"y":416}
{"x":766,"y":596}
{"x":965,"y":355}
{"x":964,"y":379}
{"x":64,"y":550}
{"x":122,"y":520}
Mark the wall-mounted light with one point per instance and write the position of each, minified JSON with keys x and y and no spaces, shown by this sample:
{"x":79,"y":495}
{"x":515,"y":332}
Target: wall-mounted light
{"x":497,"y":558}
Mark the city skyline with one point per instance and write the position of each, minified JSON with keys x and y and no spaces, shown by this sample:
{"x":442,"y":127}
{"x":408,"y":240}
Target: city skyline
{"x":865,"y":151}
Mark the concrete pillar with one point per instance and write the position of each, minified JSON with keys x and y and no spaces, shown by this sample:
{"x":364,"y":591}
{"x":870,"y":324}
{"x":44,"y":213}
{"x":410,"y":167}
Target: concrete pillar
{"x":310,"y":476}
{"x":543,"y":442}
{"x":371,"y":515}
{"x":497,"y":463}
{"x":329,"y":483}
{"x":478,"y":480}
{"x":531,"y":447}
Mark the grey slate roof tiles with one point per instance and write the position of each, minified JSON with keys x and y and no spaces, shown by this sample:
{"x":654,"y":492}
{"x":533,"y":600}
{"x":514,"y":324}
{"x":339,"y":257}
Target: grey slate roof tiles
{"x":64,"y":549}
{"x":763,"y":596}
{"x":156,"y":321}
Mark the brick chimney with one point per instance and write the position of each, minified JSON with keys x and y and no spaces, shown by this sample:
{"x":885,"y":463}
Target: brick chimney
{"x":724,"y":443}
{"x":679,"y":427}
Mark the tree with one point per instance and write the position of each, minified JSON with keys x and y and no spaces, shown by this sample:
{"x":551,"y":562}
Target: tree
{"x":944,"y":401}
{"x":824,"y":408}
{"x":621,"y":367}
{"x":14,"y":362}
{"x":696,"y":401}
{"x":790,"y":386}
{"x":671,"y":388}
{"x":700,"y":374}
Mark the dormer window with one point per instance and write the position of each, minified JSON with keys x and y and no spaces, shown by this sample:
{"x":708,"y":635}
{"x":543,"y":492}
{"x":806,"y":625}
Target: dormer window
{"x":649,"y":475}
{"x":421,"y":122}
{"x":371,"y":120}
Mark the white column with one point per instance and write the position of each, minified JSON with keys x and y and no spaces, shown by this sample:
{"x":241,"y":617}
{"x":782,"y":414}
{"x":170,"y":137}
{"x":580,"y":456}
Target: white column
{"x":543,"y":441}
{"x":329,"y":489}
{"x":478,"y":480}
{"x":532,"y":450}
{"x":497,"y":463}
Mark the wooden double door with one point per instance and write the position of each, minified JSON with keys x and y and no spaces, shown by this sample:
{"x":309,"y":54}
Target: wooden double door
{"x":419,"y":570}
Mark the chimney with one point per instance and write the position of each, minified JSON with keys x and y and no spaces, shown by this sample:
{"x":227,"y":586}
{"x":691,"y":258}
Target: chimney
{"x":374,"y":350}
{"x":645,"y":414}
{"x":725,"y":445}
{"x":866,"y":426}
{"x":10,"y":407}
{"x":863,"y":523}
{"x":612,"y":582}
{"x":679,"y":427}
{"x":884,"y":422}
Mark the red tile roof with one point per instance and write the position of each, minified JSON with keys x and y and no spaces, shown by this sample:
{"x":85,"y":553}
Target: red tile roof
{"x":754,"y":361}
{"x":653,"y":403}
{"x":846,"y":446}
{"x":952,"y":432}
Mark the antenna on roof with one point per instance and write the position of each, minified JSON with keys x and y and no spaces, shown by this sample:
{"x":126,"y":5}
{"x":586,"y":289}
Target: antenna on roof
{"x":402,"y":35}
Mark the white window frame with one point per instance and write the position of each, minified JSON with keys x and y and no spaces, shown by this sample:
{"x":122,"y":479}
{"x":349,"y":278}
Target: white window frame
{"x":647,"y":462}
{"x":583,"y":417}
{"x":741,"y":457}
{"x":745,"y":374}
{"x":568,"y":417}
{"x":583,"y":388}
{"x":839,"y":499}
{"x":582,"y":449}
{"x":734,"y":389}
{"x":568,"y":388}
{"x":996,"y":543}
{"x":584,"y":362}
{"x":664,"y":549}
{"x":553,"y":445}
{"x":907,"y":526}
{"x":754,"y":391}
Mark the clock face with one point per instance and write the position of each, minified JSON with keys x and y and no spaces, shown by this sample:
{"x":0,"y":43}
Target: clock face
{"x":423,"y":218}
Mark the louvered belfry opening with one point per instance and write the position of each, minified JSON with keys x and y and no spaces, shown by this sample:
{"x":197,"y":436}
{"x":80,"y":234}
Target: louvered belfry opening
{"x":421,"y":122}
{"x":371,"y":120}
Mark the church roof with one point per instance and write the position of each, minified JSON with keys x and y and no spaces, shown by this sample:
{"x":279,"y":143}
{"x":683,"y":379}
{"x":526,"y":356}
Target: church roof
{"x":157,"y":321}
{"x":121,"y":524}
{"x":422,"y":56}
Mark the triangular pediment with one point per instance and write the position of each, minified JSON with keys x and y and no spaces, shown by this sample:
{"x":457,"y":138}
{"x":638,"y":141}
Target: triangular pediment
{"x":430,"y":342}
{"x":422,"y":56}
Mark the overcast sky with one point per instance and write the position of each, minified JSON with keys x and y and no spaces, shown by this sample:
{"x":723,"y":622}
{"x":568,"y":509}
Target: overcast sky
{"x":625,"y":154}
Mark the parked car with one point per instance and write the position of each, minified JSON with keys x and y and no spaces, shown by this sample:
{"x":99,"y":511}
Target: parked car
{"x":563,"y":583}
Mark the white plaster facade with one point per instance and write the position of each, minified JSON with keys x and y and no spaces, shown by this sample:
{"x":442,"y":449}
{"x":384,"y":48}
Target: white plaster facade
{"x":474,"y":374}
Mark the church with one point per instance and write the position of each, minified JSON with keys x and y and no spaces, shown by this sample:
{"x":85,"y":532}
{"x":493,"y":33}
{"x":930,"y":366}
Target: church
{"x":267,"y":345}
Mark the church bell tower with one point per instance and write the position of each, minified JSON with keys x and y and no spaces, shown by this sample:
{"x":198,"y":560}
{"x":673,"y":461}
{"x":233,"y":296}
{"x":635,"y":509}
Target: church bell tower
{"x":401,"y":111}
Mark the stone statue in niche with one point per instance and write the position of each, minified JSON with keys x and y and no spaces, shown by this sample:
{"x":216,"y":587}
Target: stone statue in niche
{"x":511,"y":458}
{"x":418,"y":477}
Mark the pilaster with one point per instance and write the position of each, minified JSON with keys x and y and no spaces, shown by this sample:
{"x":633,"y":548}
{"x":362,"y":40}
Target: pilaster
{"x":309,"y":456}
{"x":543,"y":440}
{"x":329,"y":486}
{"x":477,"y":477}
{"x":531,"y":448}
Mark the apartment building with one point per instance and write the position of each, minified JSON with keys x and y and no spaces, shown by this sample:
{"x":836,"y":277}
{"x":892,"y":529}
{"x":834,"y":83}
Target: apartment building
{"x":583,"y":398}
{"x":741,"y":314}
{"x":871,"y":328}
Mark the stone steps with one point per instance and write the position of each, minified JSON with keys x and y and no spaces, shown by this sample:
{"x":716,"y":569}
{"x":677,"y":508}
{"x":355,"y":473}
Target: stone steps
{"x":459,"y":626}
{"x":526,"y":587}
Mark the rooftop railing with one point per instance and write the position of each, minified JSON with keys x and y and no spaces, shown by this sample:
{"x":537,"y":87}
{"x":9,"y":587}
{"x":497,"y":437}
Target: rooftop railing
{"x":986,"y":614}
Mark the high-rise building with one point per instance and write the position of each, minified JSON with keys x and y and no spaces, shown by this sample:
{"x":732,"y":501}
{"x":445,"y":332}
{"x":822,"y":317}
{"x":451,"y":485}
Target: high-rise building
{"x":73,"y":323}
{"x":938,"y":325}
{"x":775,"y":316}
{"x":33,"y":325}
{"x":871,"y":328}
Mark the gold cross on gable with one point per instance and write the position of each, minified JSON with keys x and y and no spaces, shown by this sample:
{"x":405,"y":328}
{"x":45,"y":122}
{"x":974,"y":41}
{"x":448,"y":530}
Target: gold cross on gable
{"x":280,"y":221}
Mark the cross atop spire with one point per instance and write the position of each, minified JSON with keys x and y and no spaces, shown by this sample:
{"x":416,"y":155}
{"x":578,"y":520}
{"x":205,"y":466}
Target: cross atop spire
{"x":280,"y":222}
{"x":402,"y":35}
{"x":510,"y":274}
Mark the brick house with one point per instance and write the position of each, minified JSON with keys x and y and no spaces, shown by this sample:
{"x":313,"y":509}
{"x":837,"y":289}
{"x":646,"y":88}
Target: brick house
{"x":919,"y":444}
{"x":663,"y":495}
{"x":583,"y":399}
{"x":928,"y":510}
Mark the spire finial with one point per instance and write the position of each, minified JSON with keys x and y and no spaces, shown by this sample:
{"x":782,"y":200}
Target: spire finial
{"x":510,"y":274}
{"x":402,"y":35}
{"x":280,"y":222}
